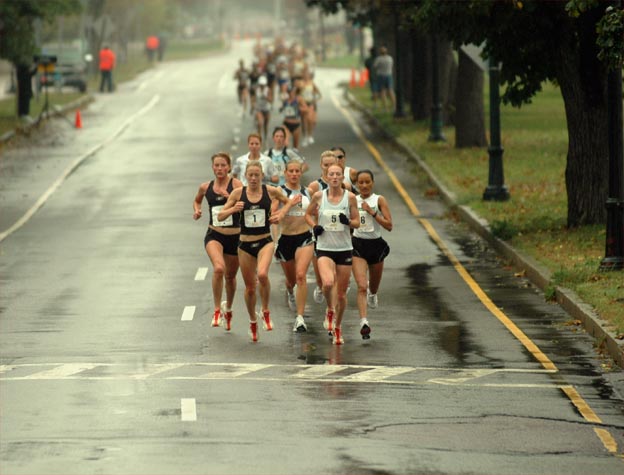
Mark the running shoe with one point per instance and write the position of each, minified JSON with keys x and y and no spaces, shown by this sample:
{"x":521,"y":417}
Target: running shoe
{"x":300,"y":326}
{"x":266,"y":320}
{"x":292,"y":302}
{"x":371,"y":299}
{"x":253,"y":331}
{"x":318,"y":295}
{"x":338,"y":340}
{"x":226,"y":321}
{"x":310,"y":140}
{"x":365,"y":329}
{"x":328,"y":324}
{"x":216,"y":318}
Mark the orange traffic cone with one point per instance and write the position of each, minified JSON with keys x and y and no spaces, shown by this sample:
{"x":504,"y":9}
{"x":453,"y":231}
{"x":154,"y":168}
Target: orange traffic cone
{"x":363,"y":77}
{"x":352,"y":81}
{"x":78,"y":122}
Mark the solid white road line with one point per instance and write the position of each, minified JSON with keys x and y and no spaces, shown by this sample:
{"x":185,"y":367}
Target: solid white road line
{"x":68,"y":171}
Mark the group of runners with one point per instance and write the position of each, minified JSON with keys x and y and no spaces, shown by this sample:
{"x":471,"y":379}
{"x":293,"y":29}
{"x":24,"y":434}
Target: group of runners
{"x":261,"y":211}
{"x":284,"y":76}
{"x":334,"y":223}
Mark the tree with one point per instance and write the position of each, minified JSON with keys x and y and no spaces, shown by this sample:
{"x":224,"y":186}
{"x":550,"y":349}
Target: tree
{"x":543,"y":41}
{"x":17,"y":38}
{"x":470,"y":114}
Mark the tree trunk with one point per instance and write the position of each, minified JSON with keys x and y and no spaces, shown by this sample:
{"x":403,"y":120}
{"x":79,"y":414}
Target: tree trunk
{"x":448,"y":79}
{"x":24,"y":89}
{"x":420,"y":95}
{"x":582,"y":79}
{"x":469,"y":114}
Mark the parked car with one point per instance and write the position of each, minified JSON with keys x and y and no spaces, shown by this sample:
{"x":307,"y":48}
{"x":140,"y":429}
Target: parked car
{"x":70,"y":70}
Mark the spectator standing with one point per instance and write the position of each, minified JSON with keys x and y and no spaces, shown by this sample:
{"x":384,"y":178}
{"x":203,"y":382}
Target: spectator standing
{"x":372,"y":76}
{"x":151,"y":47}
{"x":107,"y":64}
{"x":383,"y":72}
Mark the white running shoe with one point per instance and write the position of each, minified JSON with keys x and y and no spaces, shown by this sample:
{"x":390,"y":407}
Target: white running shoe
{"x":318,"y":295}
{"x":292,"y":302}
{"x":310,"y":140}
{"x":371,"y":299}
{"x":365,"y":329}
{"x":300,"y":326}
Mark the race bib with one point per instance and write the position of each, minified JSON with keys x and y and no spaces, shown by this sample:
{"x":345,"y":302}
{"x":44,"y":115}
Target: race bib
{"x":289,"y":111}
{"x":332,"y":222}
{"x":215,"y":212}
{"x":254,"y":218}
{"x":366,"y":222}
{"x":296,"y":210}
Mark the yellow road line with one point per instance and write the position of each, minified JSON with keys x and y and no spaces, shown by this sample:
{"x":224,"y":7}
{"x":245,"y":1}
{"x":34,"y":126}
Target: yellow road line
{"x":588,"y":414}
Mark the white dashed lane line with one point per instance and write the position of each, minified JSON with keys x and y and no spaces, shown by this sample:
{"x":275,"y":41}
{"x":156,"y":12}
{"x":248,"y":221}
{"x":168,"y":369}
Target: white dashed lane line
{"x":201,"y":274}
{"x":188,"y":313}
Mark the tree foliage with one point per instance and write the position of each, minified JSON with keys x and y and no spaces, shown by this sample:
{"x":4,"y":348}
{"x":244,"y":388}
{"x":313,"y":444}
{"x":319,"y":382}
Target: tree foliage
{"x":17,"y":37}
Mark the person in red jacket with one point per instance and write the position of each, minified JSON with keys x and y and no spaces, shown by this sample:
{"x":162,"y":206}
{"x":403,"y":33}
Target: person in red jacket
{"x":107,"y":64}
{"x":151,"y":47}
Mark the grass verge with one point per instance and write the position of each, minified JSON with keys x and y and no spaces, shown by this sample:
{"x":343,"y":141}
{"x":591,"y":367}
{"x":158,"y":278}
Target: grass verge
{"x":534,"y":139}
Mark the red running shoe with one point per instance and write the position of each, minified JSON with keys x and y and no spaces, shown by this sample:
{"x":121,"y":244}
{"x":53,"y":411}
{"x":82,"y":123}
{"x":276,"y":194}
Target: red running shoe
{"x":226,"y":320}
{"x":328,"y":324}
{"x":216,"y":318}
{"x":253,"y":331}
{"x":338,"y":340}
{"x":266,"y":320}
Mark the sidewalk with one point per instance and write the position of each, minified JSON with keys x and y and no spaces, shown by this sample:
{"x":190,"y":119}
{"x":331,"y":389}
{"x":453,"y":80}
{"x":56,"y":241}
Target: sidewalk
{"x":536,"y":273}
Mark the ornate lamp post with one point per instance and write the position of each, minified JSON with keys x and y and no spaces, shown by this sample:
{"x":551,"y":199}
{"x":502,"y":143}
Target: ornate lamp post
{"x":496,"y":189}
{"x":614,"y":248}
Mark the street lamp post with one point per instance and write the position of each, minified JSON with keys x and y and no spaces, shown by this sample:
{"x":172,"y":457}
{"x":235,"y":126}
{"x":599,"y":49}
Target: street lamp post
{"x":436,"y":134}
{"x":496,"y":189}
{"x":614,"y":247}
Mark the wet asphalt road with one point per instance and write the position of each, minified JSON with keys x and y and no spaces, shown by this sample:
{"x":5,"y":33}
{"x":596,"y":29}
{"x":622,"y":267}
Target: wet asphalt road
{"x":109,"y":363}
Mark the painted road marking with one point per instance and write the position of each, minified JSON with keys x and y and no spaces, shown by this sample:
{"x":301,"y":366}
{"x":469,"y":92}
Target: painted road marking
{"x":75,"y":164}
{"x":188,"y":313}
{"x":233,"y":371}
{"x":412,"y":375}
{"x":576,"y":399}
{"x":201,"y":274}
{"x":62,"y":372}
{"x":476,"y":289}
{"x":188,"y":409}
{"x":319,"y":371}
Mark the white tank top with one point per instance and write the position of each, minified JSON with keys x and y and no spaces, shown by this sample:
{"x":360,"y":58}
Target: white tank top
{"x":300,"y":208}
{"x":337,"y":236}
{"x":369,"y":227}
{"x":347,"y":179}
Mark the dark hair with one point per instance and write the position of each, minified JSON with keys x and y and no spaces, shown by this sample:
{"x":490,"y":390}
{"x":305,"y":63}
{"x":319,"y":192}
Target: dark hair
{"x":365,"y":171}
{"x":333,"y":149}
{"x":278,"y":129}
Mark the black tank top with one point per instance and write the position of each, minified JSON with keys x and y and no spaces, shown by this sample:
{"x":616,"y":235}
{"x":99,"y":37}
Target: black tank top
{"x":216,"y":202}
{"x":255,"y":219}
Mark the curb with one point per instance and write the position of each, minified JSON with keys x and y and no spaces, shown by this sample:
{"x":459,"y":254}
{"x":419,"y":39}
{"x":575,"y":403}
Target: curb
{"x":534,"y":271}
{"x":81,"y":101}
